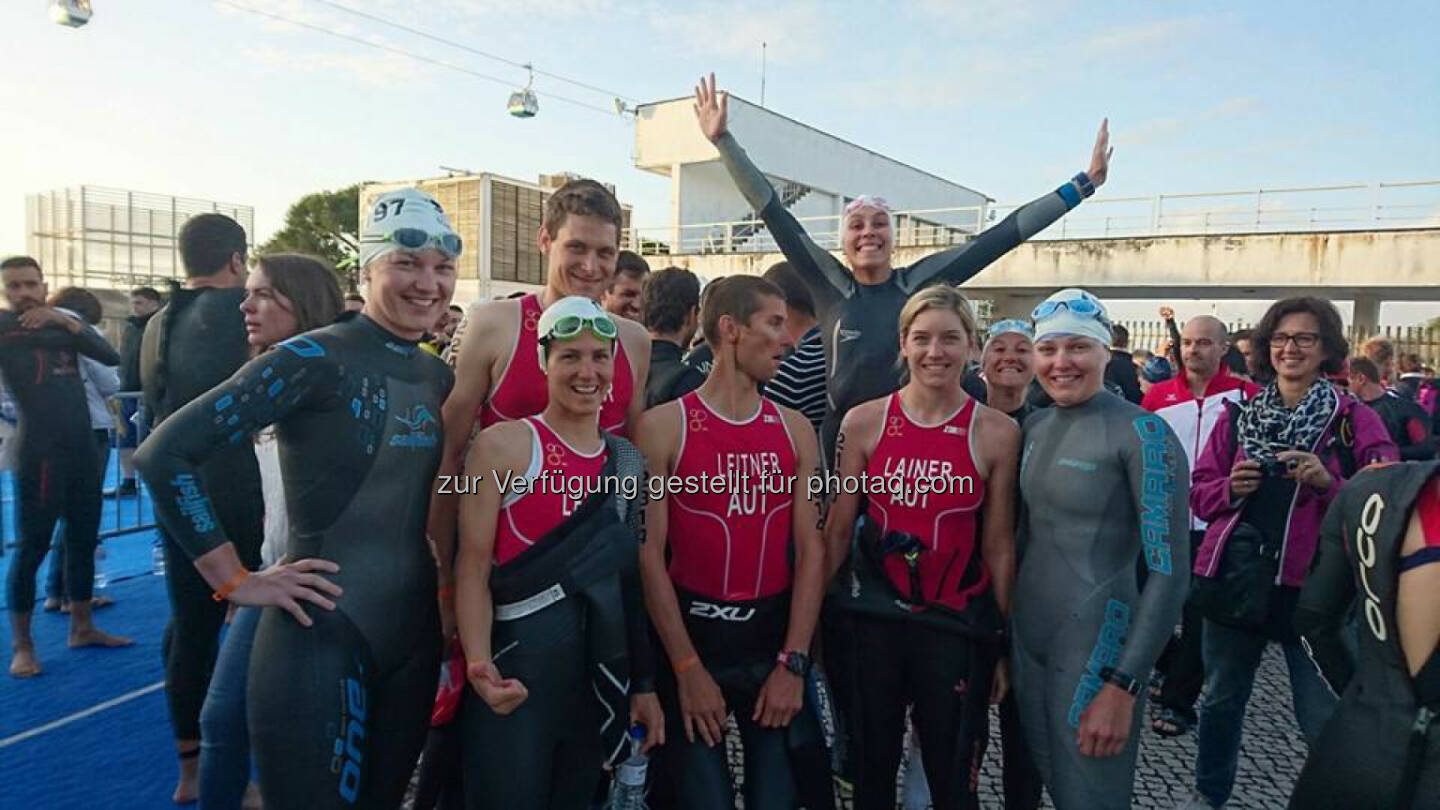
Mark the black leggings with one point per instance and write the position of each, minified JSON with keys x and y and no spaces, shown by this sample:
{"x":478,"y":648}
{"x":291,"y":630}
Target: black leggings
{"x":947,"y":679}
{"x":55,"y":480}
{"x":54,"y":581}
{"x":329,"y":727}
{"x":546,"y":754}
{"x":701,"y":775}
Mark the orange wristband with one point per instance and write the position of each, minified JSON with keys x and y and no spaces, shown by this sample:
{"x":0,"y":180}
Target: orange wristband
{"x":687,"y":665}
{"x":229,"y":587}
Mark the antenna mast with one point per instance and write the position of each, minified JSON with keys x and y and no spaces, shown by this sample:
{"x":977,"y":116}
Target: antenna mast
{"x":762,"y":74}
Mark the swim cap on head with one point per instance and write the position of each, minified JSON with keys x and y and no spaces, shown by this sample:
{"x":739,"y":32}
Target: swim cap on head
{"x":1157,"y":369}
{"x":866,"y":201}
{"x":406,"y":219}
{"x":569,"y":316}
{"x":1009,"y":326}
{"x":1072,"y":311}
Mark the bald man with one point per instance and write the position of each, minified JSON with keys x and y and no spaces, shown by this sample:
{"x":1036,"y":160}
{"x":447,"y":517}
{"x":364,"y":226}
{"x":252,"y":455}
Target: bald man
{"x":1192,"y":402}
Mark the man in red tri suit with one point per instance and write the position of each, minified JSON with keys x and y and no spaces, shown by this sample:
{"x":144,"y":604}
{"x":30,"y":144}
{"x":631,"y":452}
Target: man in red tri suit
{"x":736,"y":605}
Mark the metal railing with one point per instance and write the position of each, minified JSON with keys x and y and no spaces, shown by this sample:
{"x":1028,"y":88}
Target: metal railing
{"x":123,"y":511}
{"x":1358,"y":206}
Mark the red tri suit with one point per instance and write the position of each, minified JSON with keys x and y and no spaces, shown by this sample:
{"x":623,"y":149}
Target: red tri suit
{"x":522,"y":390}
{"x":732,"y":543}
{"x":561,"y":479}
{"x":945,"y":519}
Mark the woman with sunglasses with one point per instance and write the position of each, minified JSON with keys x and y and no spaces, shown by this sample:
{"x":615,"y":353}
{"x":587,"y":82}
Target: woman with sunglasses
{"x":1269,"y":471}
{"x":285,"y":295}
{"x":858,"y":305}
{"x":548,"y":603}
{"x":929,"y":581}
{"x":1103,"y":483}
{"x":340,"y":690}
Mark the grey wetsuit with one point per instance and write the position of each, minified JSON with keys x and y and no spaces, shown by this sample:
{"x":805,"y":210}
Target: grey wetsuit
{"x":1103,"y":483}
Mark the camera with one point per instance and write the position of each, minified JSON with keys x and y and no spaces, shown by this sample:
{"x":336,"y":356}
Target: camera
{"x":1275,"y":468}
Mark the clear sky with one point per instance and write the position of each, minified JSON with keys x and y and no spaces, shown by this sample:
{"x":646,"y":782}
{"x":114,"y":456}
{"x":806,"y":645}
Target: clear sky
{"x":195,"y":98}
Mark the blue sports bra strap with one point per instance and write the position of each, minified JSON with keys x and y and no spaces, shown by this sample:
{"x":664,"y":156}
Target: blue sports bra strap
{"x":1415,"y":559}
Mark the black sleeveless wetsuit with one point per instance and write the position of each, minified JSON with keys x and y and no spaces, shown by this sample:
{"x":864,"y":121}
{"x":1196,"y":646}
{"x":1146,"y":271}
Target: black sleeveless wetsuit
{"x":338,"y":711}
{"x":190,"y":346}
{"x":58,"y":474}
{"x":1361,"y":754}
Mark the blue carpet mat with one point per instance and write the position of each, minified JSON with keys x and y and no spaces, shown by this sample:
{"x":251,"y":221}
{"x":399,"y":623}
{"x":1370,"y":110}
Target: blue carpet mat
{"x":61,"y":745}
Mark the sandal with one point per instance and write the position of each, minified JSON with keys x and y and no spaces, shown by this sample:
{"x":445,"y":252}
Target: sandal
{"x":1171,"y":723}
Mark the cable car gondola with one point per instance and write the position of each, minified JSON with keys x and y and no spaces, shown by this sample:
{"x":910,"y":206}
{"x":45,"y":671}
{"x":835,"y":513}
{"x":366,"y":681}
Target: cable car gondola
{"x":73,"y":13}
{"x":522,"y":102}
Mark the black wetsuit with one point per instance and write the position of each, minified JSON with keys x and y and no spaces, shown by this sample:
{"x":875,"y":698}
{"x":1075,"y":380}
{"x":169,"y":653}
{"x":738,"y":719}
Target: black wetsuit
{"x":59,"y":468}
{"x":860,"y":322}
{"x":190,"y":346}
{"x":338,"y":711}
{"x":1361,"y":755}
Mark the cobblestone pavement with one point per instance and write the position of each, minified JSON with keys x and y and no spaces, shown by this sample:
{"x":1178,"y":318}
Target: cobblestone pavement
{"x":1271,"y":754}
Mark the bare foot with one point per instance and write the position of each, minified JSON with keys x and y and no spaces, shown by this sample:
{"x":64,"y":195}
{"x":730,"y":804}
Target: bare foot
{"x":95,"y":637}
{"x":52,"y":605}
{"x":252,"y":800}
{"x":24,"y":664}
{"x":187,"y":789}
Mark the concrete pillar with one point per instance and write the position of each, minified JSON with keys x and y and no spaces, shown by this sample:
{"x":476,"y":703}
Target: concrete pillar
{"x":1367,"y":313}
{"x":1015,"y":305}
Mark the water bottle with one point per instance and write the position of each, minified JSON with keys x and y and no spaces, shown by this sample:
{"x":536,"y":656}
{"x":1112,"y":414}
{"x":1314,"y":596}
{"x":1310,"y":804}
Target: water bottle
{"x":628,"y":790}
{"x":157,"y":558}
{"x":101,"y":580}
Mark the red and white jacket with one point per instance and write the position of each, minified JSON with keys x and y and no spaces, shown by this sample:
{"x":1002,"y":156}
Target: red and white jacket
{"x":1193,"y":418}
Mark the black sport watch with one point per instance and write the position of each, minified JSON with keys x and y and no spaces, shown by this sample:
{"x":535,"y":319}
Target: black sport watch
{"x":1120,"y":679}
{"x":798,"y":663}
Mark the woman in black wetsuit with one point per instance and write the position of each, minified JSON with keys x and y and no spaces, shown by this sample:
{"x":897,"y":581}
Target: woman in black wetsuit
{"x":545,"y":577}
{"x":339,"y":698}
{"x":286,"y":295}
{"x":1380,"y":544}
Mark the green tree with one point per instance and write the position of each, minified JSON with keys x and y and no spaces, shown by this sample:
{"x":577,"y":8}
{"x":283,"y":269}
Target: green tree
{"x":324,"y":224}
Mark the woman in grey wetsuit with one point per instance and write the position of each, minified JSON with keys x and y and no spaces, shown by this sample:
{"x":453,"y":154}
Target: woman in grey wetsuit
{"x":1103,"y":483}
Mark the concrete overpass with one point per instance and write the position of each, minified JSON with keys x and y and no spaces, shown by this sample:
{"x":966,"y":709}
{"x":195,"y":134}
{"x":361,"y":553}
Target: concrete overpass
{"x":1364,"y":266}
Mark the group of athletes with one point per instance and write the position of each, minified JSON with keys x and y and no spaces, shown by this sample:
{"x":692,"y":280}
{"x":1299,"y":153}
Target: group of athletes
{"x":1049,"y":585}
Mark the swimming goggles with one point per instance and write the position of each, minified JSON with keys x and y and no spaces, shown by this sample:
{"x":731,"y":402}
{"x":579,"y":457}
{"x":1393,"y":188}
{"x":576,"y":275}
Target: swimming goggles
{"x":1080,"y":306}
{"x":418,"y":238}
{"x":569,"y":326}
{"x":1015,"y":325}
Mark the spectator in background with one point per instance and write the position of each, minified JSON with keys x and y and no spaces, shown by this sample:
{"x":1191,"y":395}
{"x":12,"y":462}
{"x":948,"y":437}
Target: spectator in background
{"x":144,"y":302}
{"x":1267,"y":474}
{"x":101,"y":383}
{"x":1409,"y":376}
{"x":1406,"y":421}
{"x":701,"y":357}
{"x":1156,"y":370}
{"x":1241,"y":344}
{"x":671,"y":314}
{"x":1381,"y":352}
{"x":192,"y":345}
{"x":623,"y":297}
{"x":1121,"y":370}
{"x":799,"y":383}
{"x":438,"y":339}
{"x":354,"y":302}
{"x":1191,"y":402}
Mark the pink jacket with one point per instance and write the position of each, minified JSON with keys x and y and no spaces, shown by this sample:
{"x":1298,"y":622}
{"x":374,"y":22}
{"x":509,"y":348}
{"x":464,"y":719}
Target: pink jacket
{"x":1210,"y":490}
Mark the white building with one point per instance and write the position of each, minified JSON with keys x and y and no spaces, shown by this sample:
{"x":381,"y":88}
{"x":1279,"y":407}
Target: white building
{"x":815,"y":173}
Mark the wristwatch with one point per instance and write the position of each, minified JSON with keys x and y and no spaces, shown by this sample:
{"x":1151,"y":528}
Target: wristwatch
{"x":1084,"y":185}
{"x":1120,"y":679}
{"x":798,"y":663}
